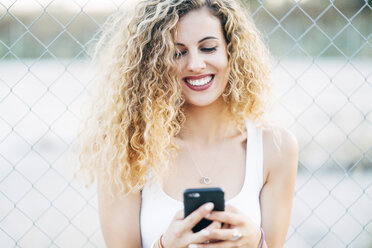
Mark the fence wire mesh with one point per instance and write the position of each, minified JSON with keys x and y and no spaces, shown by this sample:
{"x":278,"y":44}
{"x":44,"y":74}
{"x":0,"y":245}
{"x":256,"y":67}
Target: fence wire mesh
{"x":322,"y":71}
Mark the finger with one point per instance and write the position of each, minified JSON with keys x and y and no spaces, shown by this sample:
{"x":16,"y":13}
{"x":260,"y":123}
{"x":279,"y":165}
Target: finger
{"x":179,"y":215}
{"x":223,"y":234}
{"x":191,"y":220}
{"x":226,"y":217}
{"x":222,"y":244}
{"x":231,"y":208}
{"x":214,"y":225}
{"x":199,"y":237}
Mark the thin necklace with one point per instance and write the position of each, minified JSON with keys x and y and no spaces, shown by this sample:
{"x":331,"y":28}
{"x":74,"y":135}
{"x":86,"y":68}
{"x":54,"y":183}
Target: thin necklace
{"x":203,"y":178}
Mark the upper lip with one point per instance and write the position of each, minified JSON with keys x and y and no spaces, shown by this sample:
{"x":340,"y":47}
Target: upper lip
{"x":198,"y":77}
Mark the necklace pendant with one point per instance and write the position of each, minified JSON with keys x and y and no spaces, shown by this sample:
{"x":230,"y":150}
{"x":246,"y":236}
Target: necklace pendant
{"x":205,"y":180}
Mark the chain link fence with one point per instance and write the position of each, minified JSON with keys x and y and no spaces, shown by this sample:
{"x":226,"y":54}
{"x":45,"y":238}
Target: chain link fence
{"x":322,"y":71}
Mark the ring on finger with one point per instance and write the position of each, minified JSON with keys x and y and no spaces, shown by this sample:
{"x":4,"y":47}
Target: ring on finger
{"x":236,"y":235}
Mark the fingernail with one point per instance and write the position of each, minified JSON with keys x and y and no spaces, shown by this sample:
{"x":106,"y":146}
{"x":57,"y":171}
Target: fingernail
{"x":193,"y":246}
{"x":209,"y":206}
{"x":205,"y":232}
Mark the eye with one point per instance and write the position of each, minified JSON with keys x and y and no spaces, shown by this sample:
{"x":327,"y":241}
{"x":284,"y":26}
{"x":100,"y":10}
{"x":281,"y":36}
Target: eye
{"x":208,"y":49}
{"x":179,"y":54}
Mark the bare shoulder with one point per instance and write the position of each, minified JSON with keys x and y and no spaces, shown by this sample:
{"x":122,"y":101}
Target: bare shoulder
{"x":280,"y":150}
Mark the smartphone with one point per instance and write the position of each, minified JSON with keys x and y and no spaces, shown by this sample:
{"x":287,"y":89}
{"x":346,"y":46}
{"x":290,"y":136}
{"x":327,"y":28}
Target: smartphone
{"x":194,"y":198}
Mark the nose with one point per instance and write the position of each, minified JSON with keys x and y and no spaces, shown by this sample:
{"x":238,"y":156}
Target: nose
{"x":195,"y":62}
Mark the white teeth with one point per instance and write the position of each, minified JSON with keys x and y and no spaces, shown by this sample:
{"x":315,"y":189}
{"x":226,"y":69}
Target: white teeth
{"x":199,"y":82}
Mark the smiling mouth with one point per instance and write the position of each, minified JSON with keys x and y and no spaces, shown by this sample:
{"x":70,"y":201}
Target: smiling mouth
{"x":199,"y":81}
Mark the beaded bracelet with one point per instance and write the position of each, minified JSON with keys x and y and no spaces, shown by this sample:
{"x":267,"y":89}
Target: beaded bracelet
{"x":160,"y":244}
{"x":262,"y":241}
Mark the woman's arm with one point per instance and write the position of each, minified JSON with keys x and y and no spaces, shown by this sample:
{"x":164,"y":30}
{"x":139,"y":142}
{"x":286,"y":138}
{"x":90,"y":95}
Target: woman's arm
{"x":280,"y":163}
{"x":120,"y":219}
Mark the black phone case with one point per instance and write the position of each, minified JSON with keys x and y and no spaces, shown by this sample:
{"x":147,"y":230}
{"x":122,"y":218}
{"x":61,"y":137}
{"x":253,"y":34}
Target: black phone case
{"x":194,"y":198}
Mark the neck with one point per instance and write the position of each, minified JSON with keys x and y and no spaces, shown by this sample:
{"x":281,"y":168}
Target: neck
{"x":205,"y":125}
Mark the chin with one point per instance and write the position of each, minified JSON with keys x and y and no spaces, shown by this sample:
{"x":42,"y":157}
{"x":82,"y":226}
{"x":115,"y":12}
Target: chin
{"x":203,"y":101}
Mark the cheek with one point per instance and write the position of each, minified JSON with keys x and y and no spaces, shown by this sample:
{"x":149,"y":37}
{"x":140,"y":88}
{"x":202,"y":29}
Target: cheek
{"x":221,"y":61}
{"x":223,"y":67}
{"x":178,"y":69}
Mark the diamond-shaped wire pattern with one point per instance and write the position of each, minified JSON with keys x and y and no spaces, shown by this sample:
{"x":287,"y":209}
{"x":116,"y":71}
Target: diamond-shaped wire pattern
{"x":322,"y":71}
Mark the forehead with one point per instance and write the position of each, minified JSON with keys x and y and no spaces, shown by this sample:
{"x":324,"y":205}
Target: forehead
{"x":198,"y":24}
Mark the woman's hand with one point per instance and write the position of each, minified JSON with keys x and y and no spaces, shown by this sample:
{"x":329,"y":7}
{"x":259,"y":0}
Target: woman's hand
{"x":238,"y":230}
{"x":179,"y":233}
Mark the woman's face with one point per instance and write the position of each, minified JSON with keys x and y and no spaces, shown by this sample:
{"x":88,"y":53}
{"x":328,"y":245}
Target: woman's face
{"x":202,"y":64}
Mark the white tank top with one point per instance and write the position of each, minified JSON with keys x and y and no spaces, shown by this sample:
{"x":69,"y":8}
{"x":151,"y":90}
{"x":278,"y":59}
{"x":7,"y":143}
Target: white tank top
{"x":158,"y":209}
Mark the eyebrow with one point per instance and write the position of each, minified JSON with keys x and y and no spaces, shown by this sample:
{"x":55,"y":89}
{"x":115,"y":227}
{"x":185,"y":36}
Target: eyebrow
{"x":200,"y":41}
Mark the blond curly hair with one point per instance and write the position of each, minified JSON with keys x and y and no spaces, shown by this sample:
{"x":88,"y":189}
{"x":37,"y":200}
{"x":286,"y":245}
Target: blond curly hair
{"x":137,"y":106}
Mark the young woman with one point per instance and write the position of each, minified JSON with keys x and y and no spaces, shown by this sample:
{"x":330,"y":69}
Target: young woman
{"x":181,"y":97}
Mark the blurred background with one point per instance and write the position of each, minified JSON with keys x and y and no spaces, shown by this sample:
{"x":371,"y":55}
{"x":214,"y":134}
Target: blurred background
{"x":322,"y":68}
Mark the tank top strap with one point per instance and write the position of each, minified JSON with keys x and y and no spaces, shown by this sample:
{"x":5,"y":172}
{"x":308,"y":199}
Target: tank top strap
{"x":254,"y":159}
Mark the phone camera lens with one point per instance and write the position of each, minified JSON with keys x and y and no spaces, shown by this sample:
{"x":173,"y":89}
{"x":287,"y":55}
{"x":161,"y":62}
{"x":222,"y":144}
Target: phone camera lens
{"x":194,"y":195}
